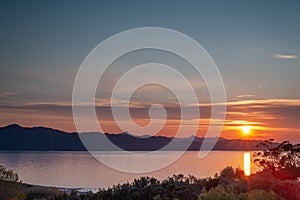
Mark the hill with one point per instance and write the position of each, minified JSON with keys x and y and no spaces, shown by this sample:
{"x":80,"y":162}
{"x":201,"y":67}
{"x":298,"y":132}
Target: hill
{"x":17,"y":138}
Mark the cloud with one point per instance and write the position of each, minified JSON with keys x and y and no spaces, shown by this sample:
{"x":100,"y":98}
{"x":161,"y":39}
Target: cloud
{"x":285,"y":56}
{"x":277,"y":117}
{"x":244,"y":95}
{"x":8,"y":94}
{"x":265,"y":102}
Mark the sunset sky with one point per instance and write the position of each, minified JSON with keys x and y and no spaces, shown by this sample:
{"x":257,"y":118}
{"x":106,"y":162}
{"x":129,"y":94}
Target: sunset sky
{"x":256,"y":46}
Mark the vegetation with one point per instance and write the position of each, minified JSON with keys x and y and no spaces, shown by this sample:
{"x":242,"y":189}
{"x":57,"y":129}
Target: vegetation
{"x":275,"y":157}
{"x":9,"y":185}
{"x":230,"y":184}
{"x":227,"y":193}
{"x":279,"y":179}
{"x":8,"y":175}
{"x":280,"y":164}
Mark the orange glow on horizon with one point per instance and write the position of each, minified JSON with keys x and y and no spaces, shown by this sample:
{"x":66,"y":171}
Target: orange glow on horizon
{"x":247,"y":164}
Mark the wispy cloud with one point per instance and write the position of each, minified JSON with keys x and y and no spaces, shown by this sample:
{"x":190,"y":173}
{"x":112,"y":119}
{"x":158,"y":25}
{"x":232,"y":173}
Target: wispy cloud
{"x":244,"y":95}
{"x":277,"y":117}
{"x":285,"y":56}
{"x":8,"y":94}
{"x":266,"y":102}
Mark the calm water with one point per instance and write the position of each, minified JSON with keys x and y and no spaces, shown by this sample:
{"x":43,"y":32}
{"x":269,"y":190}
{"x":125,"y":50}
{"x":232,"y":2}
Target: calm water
{"x":80,"y":169}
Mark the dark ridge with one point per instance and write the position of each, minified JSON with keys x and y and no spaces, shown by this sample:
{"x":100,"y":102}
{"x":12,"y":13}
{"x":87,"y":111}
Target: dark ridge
{"x":17,"y":138}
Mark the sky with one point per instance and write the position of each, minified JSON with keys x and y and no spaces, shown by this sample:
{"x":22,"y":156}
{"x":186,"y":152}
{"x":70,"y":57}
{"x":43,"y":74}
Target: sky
{"x":255,"y":44}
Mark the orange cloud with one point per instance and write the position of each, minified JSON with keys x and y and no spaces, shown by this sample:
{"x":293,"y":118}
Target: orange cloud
{"x":268,"y":117}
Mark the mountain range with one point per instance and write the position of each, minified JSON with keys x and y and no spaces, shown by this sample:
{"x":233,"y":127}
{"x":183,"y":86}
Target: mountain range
{"x":17,"y":138}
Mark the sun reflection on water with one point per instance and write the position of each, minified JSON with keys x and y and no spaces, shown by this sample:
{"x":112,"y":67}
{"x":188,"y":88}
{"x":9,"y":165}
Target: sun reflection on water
{"x":247,"y":163}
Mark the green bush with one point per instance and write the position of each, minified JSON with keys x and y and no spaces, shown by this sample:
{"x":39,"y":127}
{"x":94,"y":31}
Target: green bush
{"x":227,"y":193}
{"x":219,"y":193}
{"x":263,"y":195}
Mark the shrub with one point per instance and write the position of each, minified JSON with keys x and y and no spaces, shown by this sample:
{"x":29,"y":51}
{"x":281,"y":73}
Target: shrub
{"x":275,"y":157}
{"x":227,"y":193}
{"x":11,"y":191}
{"x":218,"y":193}
{"x":7,"y":174}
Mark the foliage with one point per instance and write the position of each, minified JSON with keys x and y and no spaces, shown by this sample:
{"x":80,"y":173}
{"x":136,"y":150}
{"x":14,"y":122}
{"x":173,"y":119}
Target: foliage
{"x":262,"y":195}
{"x":146,"y":188}
{"x":227,"y":193}
{"x":276,"y":157}
{"x":175,"y":187}
{"x":235,"y":178}
{"x":9,"y":187}
{"x":289,"y":189}
{"x":11,"y":191}
{"x":39,"y":192}
{"x":229,"y":184}
{"x":7,"y":174}
{"x":233,"y":181}
{"x":218,"y":193}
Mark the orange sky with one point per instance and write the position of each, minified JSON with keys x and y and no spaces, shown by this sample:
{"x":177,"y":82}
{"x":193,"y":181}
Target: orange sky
{"x":271,"y":118}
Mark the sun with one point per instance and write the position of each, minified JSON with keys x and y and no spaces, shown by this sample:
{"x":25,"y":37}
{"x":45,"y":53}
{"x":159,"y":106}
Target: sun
{"x":246,"y":129}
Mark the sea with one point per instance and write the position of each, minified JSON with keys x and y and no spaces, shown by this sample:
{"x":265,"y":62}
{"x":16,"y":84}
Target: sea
{"x":105,"y":169}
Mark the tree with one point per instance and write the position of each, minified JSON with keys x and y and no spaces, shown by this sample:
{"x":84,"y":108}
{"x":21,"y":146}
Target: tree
{"x":9,"y":185}
{"x":7,"y":174}
{"x":275,"y":157}
{"x":282,"y":160}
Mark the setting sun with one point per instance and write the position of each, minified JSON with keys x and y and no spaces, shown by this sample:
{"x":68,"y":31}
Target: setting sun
{"x":246,"y":129}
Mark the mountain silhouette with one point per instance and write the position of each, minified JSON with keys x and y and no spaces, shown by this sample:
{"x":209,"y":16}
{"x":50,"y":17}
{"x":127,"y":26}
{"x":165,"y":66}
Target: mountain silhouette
{"x":17,"y":138}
